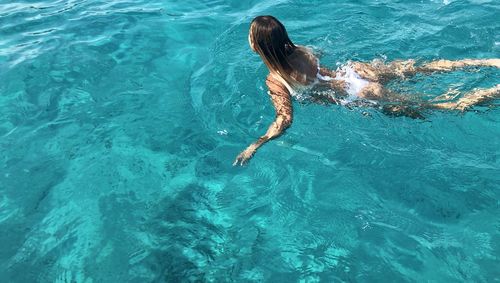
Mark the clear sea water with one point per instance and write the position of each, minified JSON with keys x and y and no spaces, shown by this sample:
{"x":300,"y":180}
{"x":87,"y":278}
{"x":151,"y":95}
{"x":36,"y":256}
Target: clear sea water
{"x":119,"y":121}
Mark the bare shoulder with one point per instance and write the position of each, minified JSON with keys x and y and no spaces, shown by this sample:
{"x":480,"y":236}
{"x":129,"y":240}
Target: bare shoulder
{"x":305,"y":49}
{"x":304,"y":52}
{"x":304,"y":65}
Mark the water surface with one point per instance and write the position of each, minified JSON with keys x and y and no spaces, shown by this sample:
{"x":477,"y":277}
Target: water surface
{"x":119,"y":121}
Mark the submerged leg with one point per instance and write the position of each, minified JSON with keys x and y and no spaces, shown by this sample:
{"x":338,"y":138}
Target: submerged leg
{"x":399,"y":110}
{"x":378,"y":71}
{"x":393,"y":104}
{"x":448,"y":65}
{"x":474,"y":98}
{"x":377,"y":91}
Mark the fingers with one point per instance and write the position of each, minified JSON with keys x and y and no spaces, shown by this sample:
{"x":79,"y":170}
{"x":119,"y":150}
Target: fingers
{"x":238,"y":159}
{"x":241,"y":159}
{"x":244,"y":156}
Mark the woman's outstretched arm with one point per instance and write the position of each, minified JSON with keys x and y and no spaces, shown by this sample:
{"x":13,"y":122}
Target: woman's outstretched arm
{"x":283,"y":106}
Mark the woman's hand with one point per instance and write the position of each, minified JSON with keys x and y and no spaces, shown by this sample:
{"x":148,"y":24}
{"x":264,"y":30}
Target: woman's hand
{"x":245,"y":155}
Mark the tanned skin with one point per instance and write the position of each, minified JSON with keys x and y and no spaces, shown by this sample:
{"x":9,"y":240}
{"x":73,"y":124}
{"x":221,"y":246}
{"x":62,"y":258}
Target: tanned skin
{"x":378,"y":74}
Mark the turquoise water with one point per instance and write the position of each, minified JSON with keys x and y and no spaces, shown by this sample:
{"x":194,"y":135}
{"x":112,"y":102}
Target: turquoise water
{"x":120,"y":120}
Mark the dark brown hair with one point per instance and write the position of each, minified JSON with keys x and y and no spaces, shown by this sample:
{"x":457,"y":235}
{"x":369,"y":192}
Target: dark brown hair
{"x":272,"y":43}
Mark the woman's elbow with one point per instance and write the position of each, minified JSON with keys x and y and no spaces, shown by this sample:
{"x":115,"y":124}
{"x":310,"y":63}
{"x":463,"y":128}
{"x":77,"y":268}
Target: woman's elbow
{"x":286,"y":121}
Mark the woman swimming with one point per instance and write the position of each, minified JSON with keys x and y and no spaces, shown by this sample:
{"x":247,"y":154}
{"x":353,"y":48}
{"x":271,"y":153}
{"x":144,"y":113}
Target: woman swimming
{"x":294,"y":71}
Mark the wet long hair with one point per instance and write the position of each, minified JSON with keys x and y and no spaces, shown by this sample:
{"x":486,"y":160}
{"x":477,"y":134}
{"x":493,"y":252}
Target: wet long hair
{"x":272,"y":43}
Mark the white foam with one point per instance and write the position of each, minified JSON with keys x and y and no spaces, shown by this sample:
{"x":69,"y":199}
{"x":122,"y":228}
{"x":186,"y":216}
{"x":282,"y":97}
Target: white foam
{"x":354,"y":82}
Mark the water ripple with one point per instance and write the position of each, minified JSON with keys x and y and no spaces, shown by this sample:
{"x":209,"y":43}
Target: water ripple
{"x":120,"y":120}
